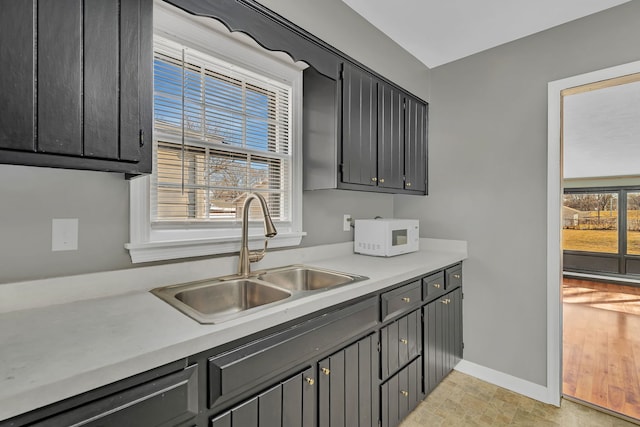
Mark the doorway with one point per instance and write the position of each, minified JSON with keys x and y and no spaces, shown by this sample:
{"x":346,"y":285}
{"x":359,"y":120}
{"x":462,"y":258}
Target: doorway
{"x":598,"y":318}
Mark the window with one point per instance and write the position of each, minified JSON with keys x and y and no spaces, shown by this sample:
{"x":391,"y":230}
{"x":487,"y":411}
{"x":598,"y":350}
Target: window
{"x":226,"y":123}
{"x":590,"y":222}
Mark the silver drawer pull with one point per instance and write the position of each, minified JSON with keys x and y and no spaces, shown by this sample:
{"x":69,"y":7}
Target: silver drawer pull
{"x":457,"y":276}
{"x":445,"y":301}
{"x":404,"y":393}
{"x":404,"y":341}
{"x":436,"y":285}
{"x":374,"y":179}
{"x":381,"y":180}
{"x":406,"y":299}
{"x":408,"y":184}
{"x":326,"y":371}
{"x":310,"y":381}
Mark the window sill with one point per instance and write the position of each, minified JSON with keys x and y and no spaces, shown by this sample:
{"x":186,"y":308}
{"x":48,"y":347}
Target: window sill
{"x":172,"y":249}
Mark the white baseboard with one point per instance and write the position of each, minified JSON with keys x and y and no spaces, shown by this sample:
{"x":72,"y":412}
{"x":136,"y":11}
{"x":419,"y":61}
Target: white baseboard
{"x":515,"y":384}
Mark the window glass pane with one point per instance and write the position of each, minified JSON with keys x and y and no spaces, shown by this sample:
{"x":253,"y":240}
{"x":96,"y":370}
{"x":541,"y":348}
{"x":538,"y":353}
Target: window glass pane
{"x":220,"y":134}
{"x":633,"y":223}
{"x":590,"y":222}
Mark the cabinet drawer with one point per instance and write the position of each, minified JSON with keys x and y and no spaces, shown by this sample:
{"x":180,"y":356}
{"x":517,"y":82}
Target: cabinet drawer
{"x":454,"y":277}
{"x":167,"y":400}
{"x":401,"y":300}
{"x":401,"y":394}
{"x":433,"y":286}
{"x":401,"y":341}
{"x":261,"y":362}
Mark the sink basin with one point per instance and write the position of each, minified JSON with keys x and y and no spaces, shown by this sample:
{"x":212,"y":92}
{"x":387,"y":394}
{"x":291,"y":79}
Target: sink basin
{"x":225,"y":298}
{"x":301,"y":278}
{"x":219,"y":300}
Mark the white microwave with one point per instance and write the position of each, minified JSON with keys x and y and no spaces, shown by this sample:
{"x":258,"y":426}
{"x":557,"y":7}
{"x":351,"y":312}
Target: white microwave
{"x":386,"y":237}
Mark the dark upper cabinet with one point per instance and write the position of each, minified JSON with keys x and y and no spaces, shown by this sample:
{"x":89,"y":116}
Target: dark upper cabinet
{"x":76,"y":88}
{"x":415,"y":145}
{"x":381,"y":140}
{"x":359,"y":127}
{"x":391,"y":137}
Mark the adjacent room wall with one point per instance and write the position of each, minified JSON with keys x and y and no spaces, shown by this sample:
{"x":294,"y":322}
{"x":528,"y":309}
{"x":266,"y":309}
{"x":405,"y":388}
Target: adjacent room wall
{"x":32,"y":197}
{"x":487,"y":170}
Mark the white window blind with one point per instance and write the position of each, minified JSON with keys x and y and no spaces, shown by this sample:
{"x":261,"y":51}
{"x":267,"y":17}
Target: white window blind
{"x":220,"y":133}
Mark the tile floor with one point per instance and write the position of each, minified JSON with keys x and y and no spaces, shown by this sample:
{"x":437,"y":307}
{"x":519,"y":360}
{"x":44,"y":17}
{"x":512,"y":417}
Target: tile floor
{"x":462,"y":400}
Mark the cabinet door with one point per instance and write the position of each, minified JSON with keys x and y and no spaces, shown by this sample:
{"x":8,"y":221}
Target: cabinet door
{"x":390,"y":137}
{"x":455,"y":320}
{"x":347,"y":396}
{"x":401,"y":341}
{"x":434,"y":330}
{"x":288,"y":404}
{"x":415,"y":147}
{"x":443,"y":337}
{"x":16,"y":79}
{"x":359,"y":127}
{"x":401,"y":394}
{"x":78,"y":89}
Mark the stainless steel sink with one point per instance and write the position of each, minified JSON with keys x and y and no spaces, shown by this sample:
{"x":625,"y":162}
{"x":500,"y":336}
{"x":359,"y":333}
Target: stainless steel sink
{"x":219,"y":300}
{"x":226,"y":298}
{"x":302,"y":278}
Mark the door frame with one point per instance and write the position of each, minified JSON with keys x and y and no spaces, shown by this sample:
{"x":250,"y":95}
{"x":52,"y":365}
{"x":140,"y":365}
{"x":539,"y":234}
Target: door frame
{"x":554,"y":216}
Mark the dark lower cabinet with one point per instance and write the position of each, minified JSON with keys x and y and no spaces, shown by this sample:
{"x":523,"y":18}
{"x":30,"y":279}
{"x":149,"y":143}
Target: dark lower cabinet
{"x":401,"y":394}
{"x":363,"y":363}
{"x":442,"y":337}
{"x":76,"y":87}
{"x":346,"y":386}
{"x":288,"y":404}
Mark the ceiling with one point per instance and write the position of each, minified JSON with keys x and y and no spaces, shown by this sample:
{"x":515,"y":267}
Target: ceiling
{"x":601,"y":132}
{"x":440,"y":31}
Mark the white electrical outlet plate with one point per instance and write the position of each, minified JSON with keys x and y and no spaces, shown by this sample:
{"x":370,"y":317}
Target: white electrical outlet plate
{"x":64,"y":234}
{"x":346,"y":223}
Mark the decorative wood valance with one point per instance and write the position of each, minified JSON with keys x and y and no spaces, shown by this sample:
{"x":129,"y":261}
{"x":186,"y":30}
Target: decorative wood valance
{"x":270,"y":30}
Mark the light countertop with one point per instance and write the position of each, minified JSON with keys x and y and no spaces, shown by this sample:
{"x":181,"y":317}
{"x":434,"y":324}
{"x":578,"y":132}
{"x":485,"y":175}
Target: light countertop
{"x":92,"y":336}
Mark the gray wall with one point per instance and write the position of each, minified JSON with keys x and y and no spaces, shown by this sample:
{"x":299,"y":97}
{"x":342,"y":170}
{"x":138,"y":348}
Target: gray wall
{"x":488,"y":165}
{"x":31,"y":197}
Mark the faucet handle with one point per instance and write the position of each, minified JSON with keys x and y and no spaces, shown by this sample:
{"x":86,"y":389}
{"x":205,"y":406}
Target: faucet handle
{"x":255,"y":256}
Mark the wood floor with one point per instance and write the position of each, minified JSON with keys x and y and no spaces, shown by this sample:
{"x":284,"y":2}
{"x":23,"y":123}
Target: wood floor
{"x":601,"y":345}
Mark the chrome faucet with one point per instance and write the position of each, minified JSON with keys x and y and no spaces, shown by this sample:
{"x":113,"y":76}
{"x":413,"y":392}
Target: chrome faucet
{"x":247,"y":257}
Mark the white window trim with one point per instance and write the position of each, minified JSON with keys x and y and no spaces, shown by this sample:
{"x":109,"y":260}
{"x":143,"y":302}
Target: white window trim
{"x":156,"y":243}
